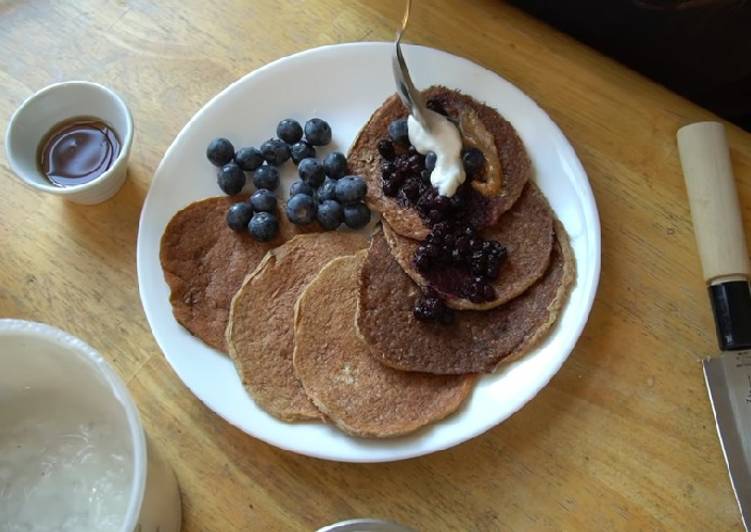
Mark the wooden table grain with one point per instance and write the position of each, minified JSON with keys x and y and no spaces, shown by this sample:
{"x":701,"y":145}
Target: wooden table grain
{"x":623,"y":437}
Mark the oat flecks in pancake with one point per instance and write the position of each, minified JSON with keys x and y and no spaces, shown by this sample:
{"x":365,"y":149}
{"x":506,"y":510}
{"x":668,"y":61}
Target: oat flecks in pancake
{"x":568,"y":278}
{"x":477,"y":341}
{"x":527,"y":232}
{"x":260,"y":334}
{"x":205,"y":262}
{"x":360,"y":395}
{"x":365,"y":160}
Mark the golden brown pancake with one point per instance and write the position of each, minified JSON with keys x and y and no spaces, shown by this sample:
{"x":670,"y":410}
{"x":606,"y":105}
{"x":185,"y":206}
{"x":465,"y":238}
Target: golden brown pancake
{"x":527,"y":233}
{"x":477,"y":341}
{"x":260,"y":335}
{"x":365,"y":160}
{"x":205,"y":262}
{"x":360,"y":395}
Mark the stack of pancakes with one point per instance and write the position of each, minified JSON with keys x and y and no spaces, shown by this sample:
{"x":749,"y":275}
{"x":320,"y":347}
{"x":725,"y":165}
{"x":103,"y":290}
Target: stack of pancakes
{"x":321,"y":325}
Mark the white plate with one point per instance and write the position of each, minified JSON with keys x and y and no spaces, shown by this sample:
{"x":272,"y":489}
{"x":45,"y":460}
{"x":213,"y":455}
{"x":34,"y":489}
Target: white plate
{"x":344,"y":84}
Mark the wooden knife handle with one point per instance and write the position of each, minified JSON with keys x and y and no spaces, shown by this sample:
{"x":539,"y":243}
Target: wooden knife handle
{"x":715,"y":210}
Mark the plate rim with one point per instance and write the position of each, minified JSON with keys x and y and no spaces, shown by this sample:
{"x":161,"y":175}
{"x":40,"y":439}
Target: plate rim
{"x":583,"y":191}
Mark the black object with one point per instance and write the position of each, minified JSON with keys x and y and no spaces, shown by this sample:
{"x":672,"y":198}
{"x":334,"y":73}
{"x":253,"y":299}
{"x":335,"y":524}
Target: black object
{"x":731,"y":305}
{"x":700,"y":49}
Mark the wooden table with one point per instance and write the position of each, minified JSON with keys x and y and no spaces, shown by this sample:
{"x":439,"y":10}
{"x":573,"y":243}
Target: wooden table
{"x":622,"y":438}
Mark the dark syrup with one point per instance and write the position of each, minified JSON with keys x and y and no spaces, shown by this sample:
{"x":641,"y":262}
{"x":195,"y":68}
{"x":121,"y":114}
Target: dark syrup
{"x":78,"y":150}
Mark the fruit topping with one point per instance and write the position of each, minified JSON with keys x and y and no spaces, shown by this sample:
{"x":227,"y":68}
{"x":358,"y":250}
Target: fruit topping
{"x":335,"y":165}
{"x":480,"y":159}
{"x":263,"y":226}
{"x":301,"y":209}
{"x":351,"y":189}
{"x":266,"y":177}
{"x":311,"y":171}
{"x":249,"y":158}
{"x":263,"y":200}
{"x":473,"y":160}
{"x":317,"y":132}
{"x":386,"y":149}
{"x":327,"y":190}
{"x":220,"y":151}
{"x":430,"y":307}
{"x":430,"y":159}
{"x":301,"y":187}
{"x":290,"y":131}
{"x":239,"y":215}
{"x":275,"y":151}
{"x":356,"y":216}
{"x":456,"y":259}
{"x":398,"y":131}
{"x":230,"y":179}
{"x":330,"y":214}
{"x":302,"y":150}
{"x":453,"y":258}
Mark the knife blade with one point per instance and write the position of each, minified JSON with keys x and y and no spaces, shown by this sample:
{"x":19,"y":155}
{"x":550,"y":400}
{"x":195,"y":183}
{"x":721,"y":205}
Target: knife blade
{"x":728,"y":379}
{"x":718,"y":227}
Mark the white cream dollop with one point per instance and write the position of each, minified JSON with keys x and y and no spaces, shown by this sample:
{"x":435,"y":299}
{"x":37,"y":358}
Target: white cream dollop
{"x":445,"y":141}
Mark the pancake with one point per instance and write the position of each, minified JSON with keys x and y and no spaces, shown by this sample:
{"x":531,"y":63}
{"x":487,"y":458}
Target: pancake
{"x":205,"y":262}
{"x":365,"y":160}
{"x":260,"y":336}
{"x":360,"y":395}
{"x":477,"y":341}
{"x":527,"y":233}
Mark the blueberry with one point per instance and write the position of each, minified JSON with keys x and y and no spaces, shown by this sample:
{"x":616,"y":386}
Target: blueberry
{"x":398,"y":131}
{"x":423,"y":259}
{"x":249,"y":158}
{"x":220,"y":151}
{"x":457,"y":202}
{"x":266,"y":177}
{"x":330,"y":214}
{"x":430,"y":159}
{"x":238,"y":216}
{"x":386,"y":149}
{"x":301,"y":187}
{"x":230,"y":179}
{"x":390,"y":188}
{"x":350,"y":189}
{"x":302,"y":150}
{"x":335,"y":165}
{"x":263,"y":226}
{"x":327,"y":191}
{"x":301,"y":209}
{"x":263,"y":200}
{"x":317,"y":132}
{"x":430,"y":308}
{"x":275,"y":151}
{"x":290,"y":131}
{"x":311,"y":171}
{"x":411,"y":190}
{"x":473,"y":160}
{"x":356,"y":216}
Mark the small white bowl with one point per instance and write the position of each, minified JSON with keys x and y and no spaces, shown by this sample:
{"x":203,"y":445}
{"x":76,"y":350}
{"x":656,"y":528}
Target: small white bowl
{"x":52,"y":105}
{"x":51,"y":385}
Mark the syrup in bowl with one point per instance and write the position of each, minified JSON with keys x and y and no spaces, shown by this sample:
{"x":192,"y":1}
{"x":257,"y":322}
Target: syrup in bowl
{"x":77,"y":151}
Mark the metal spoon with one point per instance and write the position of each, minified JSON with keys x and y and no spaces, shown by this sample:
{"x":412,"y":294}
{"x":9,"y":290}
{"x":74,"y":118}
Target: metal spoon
{"x":365,"y":525}
{"x":405,"y":88}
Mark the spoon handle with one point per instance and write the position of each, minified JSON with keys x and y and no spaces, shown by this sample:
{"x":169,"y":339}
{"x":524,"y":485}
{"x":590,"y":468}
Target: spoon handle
{"x":409,"y":95}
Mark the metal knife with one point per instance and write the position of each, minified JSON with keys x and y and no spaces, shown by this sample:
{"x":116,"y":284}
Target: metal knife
{"x":716,"y":216}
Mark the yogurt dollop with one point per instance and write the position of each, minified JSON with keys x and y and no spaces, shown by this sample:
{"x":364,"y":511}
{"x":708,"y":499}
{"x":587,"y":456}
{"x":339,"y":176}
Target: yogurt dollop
{"x":445,"y":141}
